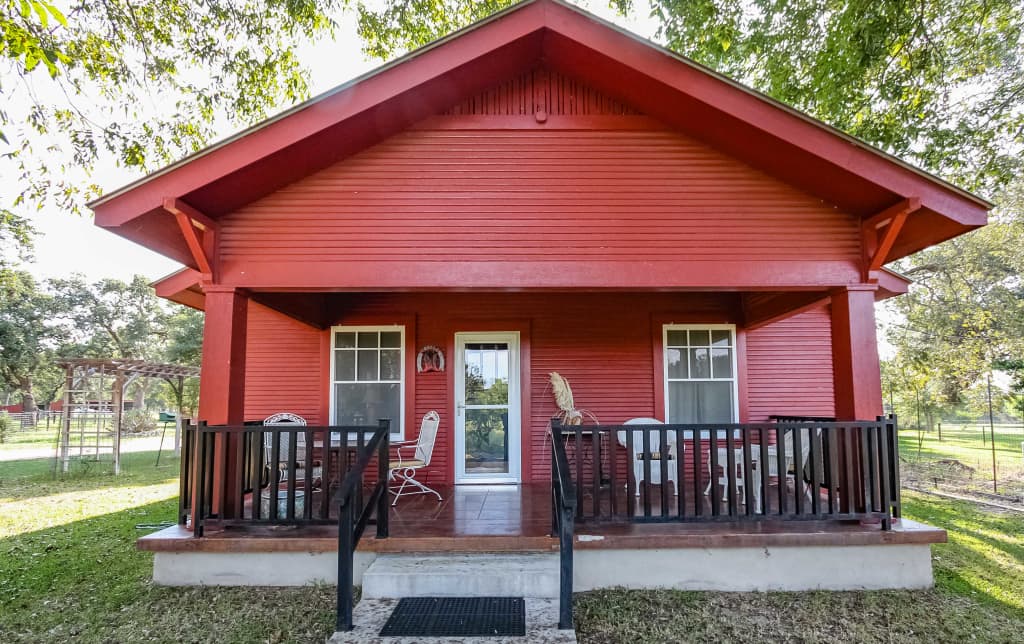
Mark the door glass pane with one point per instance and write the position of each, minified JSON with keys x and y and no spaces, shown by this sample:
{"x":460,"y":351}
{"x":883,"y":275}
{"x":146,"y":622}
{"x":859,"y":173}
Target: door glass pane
{"x":721,"y":362}
{"x":344,"y":365}
{"x":366,"y":365}
{"x":700,"y":402}
{"x":390,"y":364}
{"x":487,"y":441}
{"x":366,"y":403}
{"x":700,"y":364}
{"x":486,"y":374}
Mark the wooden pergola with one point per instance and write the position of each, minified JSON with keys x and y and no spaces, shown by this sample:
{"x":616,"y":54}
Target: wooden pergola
{"x":77,"y":372}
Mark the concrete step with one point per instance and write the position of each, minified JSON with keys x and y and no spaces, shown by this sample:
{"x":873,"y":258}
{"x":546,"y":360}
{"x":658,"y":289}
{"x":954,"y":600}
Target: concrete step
{"x":462,"y":575}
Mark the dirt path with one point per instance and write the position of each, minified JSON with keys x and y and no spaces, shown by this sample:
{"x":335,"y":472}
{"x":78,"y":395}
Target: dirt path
{"x":143,"y":444}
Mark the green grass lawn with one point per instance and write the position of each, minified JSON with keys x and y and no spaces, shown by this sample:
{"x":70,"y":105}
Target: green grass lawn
{"x":962,"y":461}
{"x":69,"y":570}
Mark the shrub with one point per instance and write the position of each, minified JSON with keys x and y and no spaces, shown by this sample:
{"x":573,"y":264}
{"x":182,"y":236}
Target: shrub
{"x":137,"y":421}
{"x":6,"y":426}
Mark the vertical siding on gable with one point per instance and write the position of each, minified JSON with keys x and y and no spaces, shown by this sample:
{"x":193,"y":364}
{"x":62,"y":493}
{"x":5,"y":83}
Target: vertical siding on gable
{"x":282,"y":366}
{"x":789,"y":367}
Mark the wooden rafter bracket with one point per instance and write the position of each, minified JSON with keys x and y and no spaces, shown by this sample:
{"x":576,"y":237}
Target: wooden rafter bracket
{"x":199,"y":232}
{"x":881,"y":230}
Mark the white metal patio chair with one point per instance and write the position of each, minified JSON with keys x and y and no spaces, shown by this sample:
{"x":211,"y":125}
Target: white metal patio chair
{"x":637,"y":457}
{"x":404,"y":468}
{"x":288,"y":419}
{"x":739,"y":479}
{"x":793,"y":468}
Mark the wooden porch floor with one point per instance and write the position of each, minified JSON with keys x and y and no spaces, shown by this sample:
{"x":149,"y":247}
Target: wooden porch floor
{"x":512,"y":518}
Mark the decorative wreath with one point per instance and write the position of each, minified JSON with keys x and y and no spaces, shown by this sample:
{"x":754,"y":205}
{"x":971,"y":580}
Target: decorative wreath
{"x":430,"y":358}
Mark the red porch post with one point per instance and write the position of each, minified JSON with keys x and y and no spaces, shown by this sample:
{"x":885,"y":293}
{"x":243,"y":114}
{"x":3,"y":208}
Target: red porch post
{"x":222,"y":377}
{"x":857,"y":377}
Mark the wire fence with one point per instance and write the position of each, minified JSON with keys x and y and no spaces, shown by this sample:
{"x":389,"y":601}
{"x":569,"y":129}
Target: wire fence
{"x":972,"y":457}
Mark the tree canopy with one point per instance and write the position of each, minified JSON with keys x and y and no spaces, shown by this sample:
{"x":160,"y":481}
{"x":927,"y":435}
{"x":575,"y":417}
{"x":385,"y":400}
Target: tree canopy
{"x":72,"y":318}
{"x":142,"y":82}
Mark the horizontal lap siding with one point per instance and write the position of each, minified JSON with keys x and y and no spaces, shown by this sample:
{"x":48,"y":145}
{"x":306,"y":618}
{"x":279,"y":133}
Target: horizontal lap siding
{"x":283,"y":365}
{"x":789,"y":367}
{"x":536,"y":194}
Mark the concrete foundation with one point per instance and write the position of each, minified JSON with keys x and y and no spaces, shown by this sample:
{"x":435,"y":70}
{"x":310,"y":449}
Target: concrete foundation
{"x":872,"y":567}
{"x":252,"y":568}
{"x":757,"y":569}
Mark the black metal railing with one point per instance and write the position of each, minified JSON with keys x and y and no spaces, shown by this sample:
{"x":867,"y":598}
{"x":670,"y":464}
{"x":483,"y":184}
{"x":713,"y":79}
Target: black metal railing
{"x":563,"y":512}
{"x":733,"y":472}
{"x":265,"y":475}
{"x":354,"y":513}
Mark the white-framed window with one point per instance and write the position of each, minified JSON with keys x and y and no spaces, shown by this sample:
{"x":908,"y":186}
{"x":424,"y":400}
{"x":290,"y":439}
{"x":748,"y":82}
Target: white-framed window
{"x":700,"y":373}
{"x":368,"y":376}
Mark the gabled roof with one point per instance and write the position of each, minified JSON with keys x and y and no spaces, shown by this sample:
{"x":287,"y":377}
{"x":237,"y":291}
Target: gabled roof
{"x":675,"y":90}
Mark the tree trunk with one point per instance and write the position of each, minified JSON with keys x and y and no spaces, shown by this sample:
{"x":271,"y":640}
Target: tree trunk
{"x":28,"y":399}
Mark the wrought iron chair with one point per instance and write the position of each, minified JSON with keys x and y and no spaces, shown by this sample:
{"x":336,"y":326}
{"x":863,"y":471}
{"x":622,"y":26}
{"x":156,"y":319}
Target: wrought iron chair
{"x":288,"y":419}
{"x":637,"y":457}
{"x":405,"y":468}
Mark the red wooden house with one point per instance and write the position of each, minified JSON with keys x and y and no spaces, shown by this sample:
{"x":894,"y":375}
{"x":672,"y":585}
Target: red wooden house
{"x":543,"y":192}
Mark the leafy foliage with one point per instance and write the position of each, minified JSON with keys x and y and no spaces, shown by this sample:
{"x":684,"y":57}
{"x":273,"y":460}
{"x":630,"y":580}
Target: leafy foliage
{"x":107,"y":319}
{"x":965,"y":313}
{"x":27,"y":341}
{"x":141,"y":81}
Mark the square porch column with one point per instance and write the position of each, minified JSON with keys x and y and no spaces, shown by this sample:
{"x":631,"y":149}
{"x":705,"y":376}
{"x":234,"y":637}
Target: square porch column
{"x":222,"y":383}
{"x":857,"y":379}
{"x":856,"y":372}
{"x":222,"y":372}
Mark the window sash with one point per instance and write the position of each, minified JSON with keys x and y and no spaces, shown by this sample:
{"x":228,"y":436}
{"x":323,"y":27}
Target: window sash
{"x":358,"y":348}
{"x":685,"y":345}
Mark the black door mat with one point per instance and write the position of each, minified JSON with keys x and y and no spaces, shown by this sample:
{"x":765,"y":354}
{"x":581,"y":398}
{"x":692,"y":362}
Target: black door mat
{"x":457,"y":616}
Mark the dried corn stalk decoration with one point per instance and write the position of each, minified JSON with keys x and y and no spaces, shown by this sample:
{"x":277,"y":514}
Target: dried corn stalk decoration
{"x":567,"y":411}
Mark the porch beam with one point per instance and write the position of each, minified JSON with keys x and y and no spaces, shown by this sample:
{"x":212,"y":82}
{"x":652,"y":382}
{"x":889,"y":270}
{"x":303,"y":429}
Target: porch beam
{"x":189,"y":219}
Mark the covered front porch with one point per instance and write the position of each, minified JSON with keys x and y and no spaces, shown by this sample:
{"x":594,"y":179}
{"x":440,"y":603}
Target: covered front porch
{"x":517,"y":518}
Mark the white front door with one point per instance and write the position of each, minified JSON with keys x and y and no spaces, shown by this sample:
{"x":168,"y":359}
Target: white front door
{"x":487,"y":408}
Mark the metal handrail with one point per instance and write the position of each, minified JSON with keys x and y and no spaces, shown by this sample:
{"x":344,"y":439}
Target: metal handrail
{"x":350,"y":525}
{"x":563,"y":513}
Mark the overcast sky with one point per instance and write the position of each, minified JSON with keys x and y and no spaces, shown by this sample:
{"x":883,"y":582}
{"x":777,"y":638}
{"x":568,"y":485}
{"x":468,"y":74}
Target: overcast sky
{"x":68,"y":243}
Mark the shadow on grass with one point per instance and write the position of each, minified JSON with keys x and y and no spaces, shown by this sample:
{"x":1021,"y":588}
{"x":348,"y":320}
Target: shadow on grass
{"x":973,"y":563}
{"x":32,"y":478}
{"x":85,"y":580}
